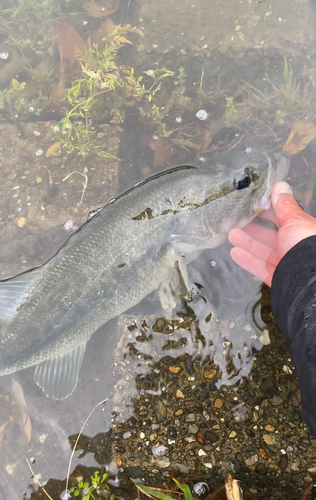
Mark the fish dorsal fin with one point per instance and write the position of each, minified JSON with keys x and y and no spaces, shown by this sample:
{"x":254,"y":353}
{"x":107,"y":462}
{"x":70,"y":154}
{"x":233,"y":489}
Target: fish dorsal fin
{"x":58,"y":376}
{"x":14,"y":291}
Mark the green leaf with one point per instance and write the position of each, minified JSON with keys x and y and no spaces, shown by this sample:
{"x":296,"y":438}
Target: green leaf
{"x":80,"y":484}
{"x":186,"y":490}
{"x":77,"y":493}
{"x":86,"y":485}
{"x":157,"y":494}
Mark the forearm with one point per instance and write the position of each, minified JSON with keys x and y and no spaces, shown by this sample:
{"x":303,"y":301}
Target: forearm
{"x":293,"y":301}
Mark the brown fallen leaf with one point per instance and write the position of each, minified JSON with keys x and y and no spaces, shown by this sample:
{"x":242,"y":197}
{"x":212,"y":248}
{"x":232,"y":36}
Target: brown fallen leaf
{"x":304,"y":193}
{"x":3,"y":427}
{"x":21,"y":414}
{"x":103,"y":9}
{"x":232,"y":488}
{"x":106,"y":28}
{"x":69,"y":41}
{"x":163,"y":151}
{"x":301,"y":135}
{"x":53,"y":149}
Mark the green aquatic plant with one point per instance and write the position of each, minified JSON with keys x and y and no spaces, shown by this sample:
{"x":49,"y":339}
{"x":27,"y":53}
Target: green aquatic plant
{"x":14,"y":100}
{"x":98,"y":488}
{"x":230,"y":113}
{"x":106,"y":87}
{"x":158,"y":493}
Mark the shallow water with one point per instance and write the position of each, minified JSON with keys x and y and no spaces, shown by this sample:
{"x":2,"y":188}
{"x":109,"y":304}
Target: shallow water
{"x":215,"y":386}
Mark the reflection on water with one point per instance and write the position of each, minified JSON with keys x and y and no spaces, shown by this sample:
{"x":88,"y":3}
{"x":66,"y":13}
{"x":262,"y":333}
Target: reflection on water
{"x":212,"y":382}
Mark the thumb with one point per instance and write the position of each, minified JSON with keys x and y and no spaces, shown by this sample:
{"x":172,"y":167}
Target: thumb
{"x":284,"y":204}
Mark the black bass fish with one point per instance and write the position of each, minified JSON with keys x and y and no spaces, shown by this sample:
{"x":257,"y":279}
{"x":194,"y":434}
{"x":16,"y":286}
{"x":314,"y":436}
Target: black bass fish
{"x":140,"y":242}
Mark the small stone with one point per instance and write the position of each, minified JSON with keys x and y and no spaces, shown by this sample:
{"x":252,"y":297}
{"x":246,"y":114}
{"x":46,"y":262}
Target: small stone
{"x":163,"y":463}
{"x":263,"y":454}
{"x":160,"y":410}
{"x":276,"y":400}
{"x":271,"y":440}
{"x":208,"y":463}
{"x":190,"y":439}
{"x":201,"y":453}
{"x":127,"y":435}
{"x":216,"y":427}
{"x":193,"y":429}
{"x":209,"y":374}
{"x":308,"y":479}
{"x":179,"y":394}
{"x":178,"y":412}
{"x":238,"y":27}
{"x":269,"y":428}
{"x":141,"y":48}
{"x":265,"y":337}
{"x":312,"y":470}
{"x":36,"y":133}
{"x":218,"y":403}
{"x":251,"y":460}
{"x":273,"y":467}
{"x":206,"y":415}
{"x":190,"y":417}
{"x":283,"y":463}
{"x":142,"y":435}
{"x":232,"y":435}
{"x":21,"y":222}
{"x":210,"y":437}
{"x":159,"y":450}
{"x":174,"y":369}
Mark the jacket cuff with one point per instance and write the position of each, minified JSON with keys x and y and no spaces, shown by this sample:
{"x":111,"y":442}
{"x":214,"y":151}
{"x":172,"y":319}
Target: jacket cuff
{"x":293,"y":290}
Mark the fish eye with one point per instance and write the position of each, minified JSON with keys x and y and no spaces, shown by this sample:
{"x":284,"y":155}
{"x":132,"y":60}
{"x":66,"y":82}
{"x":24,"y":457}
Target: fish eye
{"x":243,"y":180}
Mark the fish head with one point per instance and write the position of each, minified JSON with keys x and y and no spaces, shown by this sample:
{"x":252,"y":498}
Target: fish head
{"x":238,"y":187}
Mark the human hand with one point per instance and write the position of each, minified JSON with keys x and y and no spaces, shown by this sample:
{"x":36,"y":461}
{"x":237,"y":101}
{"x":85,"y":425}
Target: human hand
{"x":258,"y":249}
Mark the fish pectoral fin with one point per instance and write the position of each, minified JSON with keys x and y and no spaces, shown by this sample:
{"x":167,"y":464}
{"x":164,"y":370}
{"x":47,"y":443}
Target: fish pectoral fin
{"x":14,"y":291}
{"x":58,"y":376}
{"x":174,"y":287}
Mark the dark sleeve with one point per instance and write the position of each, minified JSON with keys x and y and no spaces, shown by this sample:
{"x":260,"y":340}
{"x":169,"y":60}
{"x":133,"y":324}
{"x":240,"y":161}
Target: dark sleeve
{"x":293,"y":301}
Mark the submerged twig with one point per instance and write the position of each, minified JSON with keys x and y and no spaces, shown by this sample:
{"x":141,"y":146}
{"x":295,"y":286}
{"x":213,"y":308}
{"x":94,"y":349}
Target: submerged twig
{"x":80,"y":432}
{"x":36,"y":480}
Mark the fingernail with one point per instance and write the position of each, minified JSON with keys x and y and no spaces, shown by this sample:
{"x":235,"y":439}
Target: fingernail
{"x":282,"y":187}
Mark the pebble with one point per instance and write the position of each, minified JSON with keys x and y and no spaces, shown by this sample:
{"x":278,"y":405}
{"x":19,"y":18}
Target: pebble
{"x":211,"y":437}
{"x":127,"y":435}
{"x":263,"y":454}
{"x":159,"y":450}
{"x":178,"y":413}
{"x":269,"y":428}
{"x":163,"y":463}
{"x":209,"y":374}
{"x":179,"y":394}
{"x":190,"y":417}
{"x":265,"y":337}
{"x":283,"y":463}
{"x":276,"y":400}
{"x":251,"y":460}
{"x":270,"y":440}
{"x":218,"y":403}
{"x":141,"y":48}
{"x":160,"y":410}
{"x":193,"y":429}
{"x":190,"y":439}
{"x":201,"y":453}
{"x":232,"y":435}
{"x":142,"y":435}
{"x":206,"y":415}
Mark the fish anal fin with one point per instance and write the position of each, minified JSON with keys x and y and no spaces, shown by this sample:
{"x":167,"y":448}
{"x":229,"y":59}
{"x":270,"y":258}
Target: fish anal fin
{"x":58,"y":376}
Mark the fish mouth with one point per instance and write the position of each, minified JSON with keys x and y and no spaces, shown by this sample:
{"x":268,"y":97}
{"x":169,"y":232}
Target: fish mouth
{"x":283,"y":166}
{"x":282,"y":169}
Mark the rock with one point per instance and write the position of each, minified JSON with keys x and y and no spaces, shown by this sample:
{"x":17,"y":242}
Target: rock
{"x":160,"y":410}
